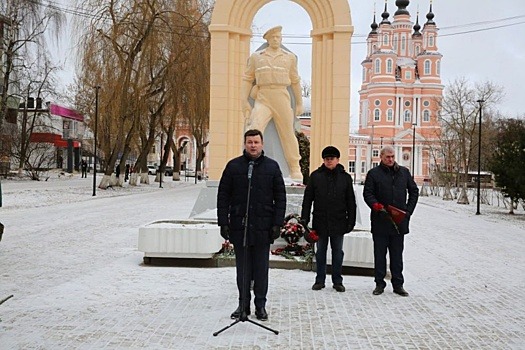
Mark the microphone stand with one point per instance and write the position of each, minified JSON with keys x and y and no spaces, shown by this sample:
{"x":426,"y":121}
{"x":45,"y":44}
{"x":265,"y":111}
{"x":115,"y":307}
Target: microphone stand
{"x":244,"y":317}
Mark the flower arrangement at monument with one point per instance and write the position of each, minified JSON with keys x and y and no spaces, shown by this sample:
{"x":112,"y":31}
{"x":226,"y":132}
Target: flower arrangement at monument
{"x":292,"y":231}
{"x":227,"y":250}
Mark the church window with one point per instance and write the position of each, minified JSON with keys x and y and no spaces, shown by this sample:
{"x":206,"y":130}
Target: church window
{"x":427,"y":67}
{"x":385,"y":39}
{"x":377,"y":115}
{"x":418,"y":50}
{"x":390,"y":102}
{"x":426,"y":115}
{"x":431,"y":40}
{"x":364,"y":74}
{"x":377,"y":102}
{"x":377,"y":66}
{"x":403,"y":44}
{"x":426,"y":103}
{"x":389,"y":64}
{"x":390,"y":115}
{"x":395,"y":43}
{"x":408,"y":116}
{"x":407,"y":103}
{"x":438,"y":68}
{"x":408,"y":75}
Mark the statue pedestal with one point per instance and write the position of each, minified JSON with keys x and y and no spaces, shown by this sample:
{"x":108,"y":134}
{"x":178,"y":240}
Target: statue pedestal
{"x":195,"y":241}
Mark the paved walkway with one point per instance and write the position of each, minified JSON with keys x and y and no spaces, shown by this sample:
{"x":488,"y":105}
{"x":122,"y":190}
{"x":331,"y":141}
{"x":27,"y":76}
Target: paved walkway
{"x":465,"y":275}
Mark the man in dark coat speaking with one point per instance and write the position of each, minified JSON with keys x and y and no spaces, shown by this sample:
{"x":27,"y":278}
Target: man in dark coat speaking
{"x":331,"y":191}
{"x":388,"y":185}
{"x":267,"y":206}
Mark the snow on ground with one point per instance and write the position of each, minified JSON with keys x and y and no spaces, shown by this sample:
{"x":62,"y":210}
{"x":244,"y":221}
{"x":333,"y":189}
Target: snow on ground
{"x":70,"y":259}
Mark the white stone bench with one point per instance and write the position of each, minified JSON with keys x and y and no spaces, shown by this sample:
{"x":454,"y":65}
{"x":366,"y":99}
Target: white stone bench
{"x":180,"y":239}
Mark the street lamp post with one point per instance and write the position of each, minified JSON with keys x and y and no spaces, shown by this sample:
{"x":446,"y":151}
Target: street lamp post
{"x":480,"y":101}
{"x":95,"y":143}
{"x":160,"y":164}
{"x":413,"y":148}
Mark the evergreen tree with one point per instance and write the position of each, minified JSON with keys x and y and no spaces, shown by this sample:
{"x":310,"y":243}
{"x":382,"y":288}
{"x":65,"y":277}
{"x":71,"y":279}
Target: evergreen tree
{"x":508,"y":159}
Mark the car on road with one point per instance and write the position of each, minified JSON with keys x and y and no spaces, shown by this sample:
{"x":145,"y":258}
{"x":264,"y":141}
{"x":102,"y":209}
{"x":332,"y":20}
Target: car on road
{"x":168,"y":170}
{"x":152,"y":170}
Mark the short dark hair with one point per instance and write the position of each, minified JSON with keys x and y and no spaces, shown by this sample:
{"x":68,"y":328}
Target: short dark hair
{"x":253,"y":132}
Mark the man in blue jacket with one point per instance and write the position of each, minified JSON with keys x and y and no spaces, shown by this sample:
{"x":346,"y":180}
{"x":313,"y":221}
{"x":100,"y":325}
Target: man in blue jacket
{"x":388,"y":184}
{"x":262,"y":176}
{"x":331,"y":191}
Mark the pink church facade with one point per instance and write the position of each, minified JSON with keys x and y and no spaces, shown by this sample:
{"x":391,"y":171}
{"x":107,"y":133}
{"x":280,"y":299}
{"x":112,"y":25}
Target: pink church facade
{"x":399,"y":95}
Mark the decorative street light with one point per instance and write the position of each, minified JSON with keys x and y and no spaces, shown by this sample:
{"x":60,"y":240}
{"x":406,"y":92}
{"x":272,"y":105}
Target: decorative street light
{"x":413,"y":147}
{"x":160,"y":163}
{"x":480,"y":101}
{"x":95,"y":143}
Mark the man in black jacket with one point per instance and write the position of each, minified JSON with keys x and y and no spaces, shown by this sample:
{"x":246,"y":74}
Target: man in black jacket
{"x":264,"y":219}
{"x":331,"y":191}
{"x":388,"y":184}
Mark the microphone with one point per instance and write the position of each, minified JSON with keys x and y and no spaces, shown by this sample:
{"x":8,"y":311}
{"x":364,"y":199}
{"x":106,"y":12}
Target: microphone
{"x":250,"y":169}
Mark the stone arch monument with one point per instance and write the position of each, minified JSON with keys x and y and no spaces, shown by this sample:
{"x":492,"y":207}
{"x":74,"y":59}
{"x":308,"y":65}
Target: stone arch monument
{"x":230,"y":49}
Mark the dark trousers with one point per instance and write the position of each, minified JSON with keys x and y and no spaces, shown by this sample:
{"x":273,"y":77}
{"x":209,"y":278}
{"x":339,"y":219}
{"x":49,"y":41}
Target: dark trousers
{"x":256,"y":269}
{"x":336,"y":243}
{"x":393,"y":243}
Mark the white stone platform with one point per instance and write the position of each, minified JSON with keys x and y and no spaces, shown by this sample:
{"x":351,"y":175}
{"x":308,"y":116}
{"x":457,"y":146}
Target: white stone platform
{"x":180,"y":239}
{"x":199,"y":237}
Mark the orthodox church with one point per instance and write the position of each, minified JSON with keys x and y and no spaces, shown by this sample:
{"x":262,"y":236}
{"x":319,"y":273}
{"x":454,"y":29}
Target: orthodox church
{"x":399,"y":95}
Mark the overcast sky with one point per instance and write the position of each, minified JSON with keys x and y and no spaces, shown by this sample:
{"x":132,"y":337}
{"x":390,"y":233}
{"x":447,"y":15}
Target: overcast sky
{"x":470,"y":48}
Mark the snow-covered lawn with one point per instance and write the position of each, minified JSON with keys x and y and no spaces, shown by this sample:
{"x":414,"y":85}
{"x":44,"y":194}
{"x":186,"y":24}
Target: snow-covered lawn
{"x":71,"y":262}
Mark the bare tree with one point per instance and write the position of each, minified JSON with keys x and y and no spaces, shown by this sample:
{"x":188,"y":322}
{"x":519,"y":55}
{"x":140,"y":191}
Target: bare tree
{"x":39,"y":82}
{"x":459,"y":116}
{"x":112,"y":57}
{"x":139,"y":53}
{"x":22,"y":27}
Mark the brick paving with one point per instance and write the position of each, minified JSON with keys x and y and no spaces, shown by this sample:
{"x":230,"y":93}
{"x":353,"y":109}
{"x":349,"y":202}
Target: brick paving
{"x":465,"y":275}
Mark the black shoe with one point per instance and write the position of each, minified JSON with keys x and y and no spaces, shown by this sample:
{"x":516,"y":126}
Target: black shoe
{"x":237,"y":313}
{"x":339,"y":287}
{"x":261,"y":314}
{"x":401,"y":291}
{"x":378,"y":290}
{"x":318,"y":286}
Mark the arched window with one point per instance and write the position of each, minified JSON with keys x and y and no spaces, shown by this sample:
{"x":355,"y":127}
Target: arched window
{"x":426,"y":115}
{"x":395,"y":43}
{"x":403,"y":43}
{"x":431,"y":40}
{"x":390,"y":115}
{"x":385,"y":39}
{"x":408,"y":116}
{"x":389,"y":64}
{"x":438,"y":68}
{"x":364,"y":74}
{"x":377,"y":114}
{"x":427,"y":67}
{"x":377,"y":66}
{"x":418,"y":50}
